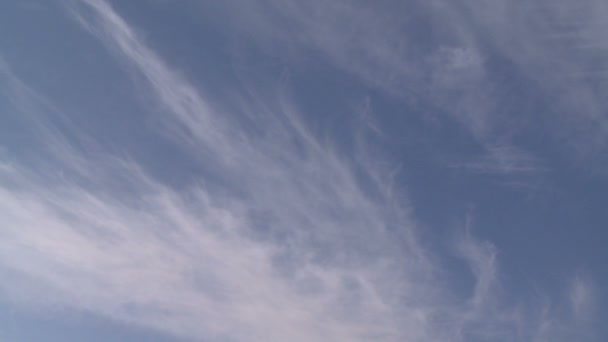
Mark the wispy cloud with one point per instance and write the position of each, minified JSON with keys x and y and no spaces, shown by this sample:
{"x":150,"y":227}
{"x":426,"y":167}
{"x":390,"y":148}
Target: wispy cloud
{"x":502,"y":160}
{"x":460,"y":59}
{"x":289,"y":240}
{"x":582,"y":298}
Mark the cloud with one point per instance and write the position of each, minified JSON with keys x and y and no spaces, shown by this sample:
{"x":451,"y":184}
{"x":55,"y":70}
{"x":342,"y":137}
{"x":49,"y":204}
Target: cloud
{"x":581,"y":298}
{"x":460,"y":60}
{"x":502,"y":160}
{"x":287,"y":239}
{"x":302,"y":252}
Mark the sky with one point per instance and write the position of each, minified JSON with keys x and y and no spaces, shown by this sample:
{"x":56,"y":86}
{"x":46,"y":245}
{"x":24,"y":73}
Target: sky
{"x":286,"y":170}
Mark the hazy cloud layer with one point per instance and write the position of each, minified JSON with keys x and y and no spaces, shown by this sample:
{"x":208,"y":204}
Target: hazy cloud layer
{"x":284,"y":237}
{"x":460,"y":58}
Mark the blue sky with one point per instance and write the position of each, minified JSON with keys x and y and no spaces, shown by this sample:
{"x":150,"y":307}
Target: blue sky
{"x":285,"y":170}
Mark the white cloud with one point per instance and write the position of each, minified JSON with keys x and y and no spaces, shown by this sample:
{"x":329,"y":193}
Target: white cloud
{"x":581,"y":298}
{"x":436,"y":54}
{"x":291,"y":242}
{"x":502,"y":160}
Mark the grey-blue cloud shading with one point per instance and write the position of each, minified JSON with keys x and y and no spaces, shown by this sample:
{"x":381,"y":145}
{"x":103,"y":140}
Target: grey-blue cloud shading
{"x":284,"y":170}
